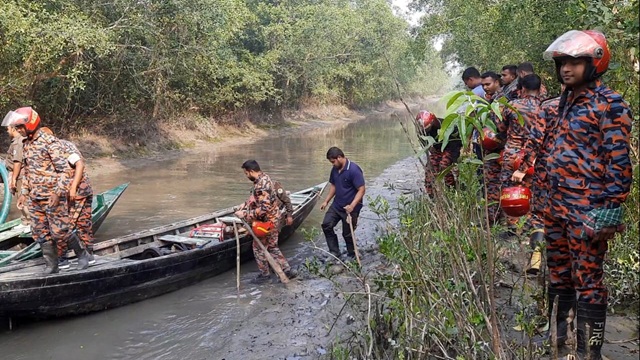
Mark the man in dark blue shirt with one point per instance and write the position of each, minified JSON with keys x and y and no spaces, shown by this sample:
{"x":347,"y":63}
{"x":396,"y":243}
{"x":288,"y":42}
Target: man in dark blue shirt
{"x":347,"y":190}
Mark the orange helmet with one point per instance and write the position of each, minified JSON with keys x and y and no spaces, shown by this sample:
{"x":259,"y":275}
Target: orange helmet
{"x":515,"y":200}
{"x":24,"y":116}
{"x":490,"y":140}
{"x":581,"y":44}
{"x":262,"y":228}
{"x":427,"y":120}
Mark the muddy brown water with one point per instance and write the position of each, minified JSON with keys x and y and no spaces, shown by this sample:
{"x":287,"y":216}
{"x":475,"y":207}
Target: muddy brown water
{"x":195,"y":321}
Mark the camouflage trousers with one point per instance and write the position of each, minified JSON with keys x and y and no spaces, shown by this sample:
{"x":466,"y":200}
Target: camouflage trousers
{"x":508,"y":167}
{"x":574,"y":263}
{"x":49,"y":224}
{"x":438,"y":161}
{"x":536,"y":215}
{"x":492,"y":170}
{"x":25,"y":218}
{"x":80,"y":221}
{"x":271,"y":243}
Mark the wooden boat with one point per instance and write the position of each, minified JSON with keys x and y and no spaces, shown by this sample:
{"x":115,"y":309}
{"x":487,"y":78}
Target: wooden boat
{"x":135,"y":267}
{"x":10,"y":236}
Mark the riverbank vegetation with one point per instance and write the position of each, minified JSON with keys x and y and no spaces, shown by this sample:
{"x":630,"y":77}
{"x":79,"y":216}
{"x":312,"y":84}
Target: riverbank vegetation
{"x":453,"y":287}
{"x":122,"y":68}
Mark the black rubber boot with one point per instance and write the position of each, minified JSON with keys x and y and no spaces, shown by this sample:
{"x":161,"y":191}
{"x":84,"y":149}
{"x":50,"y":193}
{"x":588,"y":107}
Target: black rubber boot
{"x":564,"y":319}
{"x":536,"y":239}
{"x":590,"y":341}
{"x":50,"y":255}
{"x":535,"y":262}
{"x":81,"y":253}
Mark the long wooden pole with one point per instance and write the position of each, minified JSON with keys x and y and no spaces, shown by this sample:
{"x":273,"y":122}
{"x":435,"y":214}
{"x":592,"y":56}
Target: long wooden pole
{"x":353,"y":238}
{"x":270,"y":259}
{"x":235,"y":231}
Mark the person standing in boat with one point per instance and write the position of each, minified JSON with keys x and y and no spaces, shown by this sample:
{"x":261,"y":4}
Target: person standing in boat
{"x":14,"y":165}
{"x":347,"y":190}
{"x":262,"y":206}
{"x":80,"y":198}
{"x":45,"y":181}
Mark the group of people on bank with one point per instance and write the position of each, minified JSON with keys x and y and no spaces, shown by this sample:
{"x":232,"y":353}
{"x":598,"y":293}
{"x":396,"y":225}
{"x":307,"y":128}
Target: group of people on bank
{"x":577,"y":145}
{"x":55,"y":195}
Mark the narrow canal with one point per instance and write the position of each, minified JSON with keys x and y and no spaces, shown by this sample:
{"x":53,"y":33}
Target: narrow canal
{"x":194,"y":321}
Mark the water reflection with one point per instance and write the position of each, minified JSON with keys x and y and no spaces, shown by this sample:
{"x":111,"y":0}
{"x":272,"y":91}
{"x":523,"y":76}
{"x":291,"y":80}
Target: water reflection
{"x":171,"y":190}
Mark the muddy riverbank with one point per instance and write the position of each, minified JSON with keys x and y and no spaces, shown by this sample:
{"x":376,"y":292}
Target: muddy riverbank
{"x":108,"y":155}
{"x":305,"y":319}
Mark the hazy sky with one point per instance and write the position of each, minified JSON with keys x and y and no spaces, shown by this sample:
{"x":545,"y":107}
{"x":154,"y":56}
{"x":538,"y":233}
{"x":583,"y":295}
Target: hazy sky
{"x":412,"y":16}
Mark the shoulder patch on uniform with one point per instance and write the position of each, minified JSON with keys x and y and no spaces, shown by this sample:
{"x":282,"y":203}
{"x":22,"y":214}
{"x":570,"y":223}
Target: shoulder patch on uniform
{"x":280,"y":191}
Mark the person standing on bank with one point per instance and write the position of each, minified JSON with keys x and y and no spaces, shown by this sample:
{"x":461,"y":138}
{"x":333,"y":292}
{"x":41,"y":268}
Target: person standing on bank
{"x":263,"y":206}
{"x":347,"y":190}
{"x":588,"y":178}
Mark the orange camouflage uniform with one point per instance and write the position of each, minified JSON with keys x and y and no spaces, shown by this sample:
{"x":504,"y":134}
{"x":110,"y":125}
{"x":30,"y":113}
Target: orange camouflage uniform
{"x":536,"y":146}
{"x":587,"y":167}
{"x":492,"y":169}
{"x":45,"y":174}
{"x":263,"y":206}
{"x":516,"y":133}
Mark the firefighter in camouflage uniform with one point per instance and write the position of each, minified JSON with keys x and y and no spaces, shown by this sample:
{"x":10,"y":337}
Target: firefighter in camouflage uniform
{"x":263,"y":206}
{"x":528,"y":106}
{"x":588,"y":177}
{"x":45,"y":186}
{"x":427,"y":124}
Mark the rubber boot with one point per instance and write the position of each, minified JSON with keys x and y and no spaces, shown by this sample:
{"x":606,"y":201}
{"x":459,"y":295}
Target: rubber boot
{"x":535,"y":241}
{"x":590,"y":341}
{"x":91,"y":258}
{"x":564,"y":318}
{"x":81,"y":252}
{"x":50,"y":255}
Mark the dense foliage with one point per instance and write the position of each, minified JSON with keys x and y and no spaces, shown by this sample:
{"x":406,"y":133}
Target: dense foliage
{"x":490,"y":34}
{"x":78,"y":59}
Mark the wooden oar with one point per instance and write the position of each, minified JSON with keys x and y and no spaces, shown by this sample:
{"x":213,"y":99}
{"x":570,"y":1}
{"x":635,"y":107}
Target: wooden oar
{"x":353,"y":238}
{"x":235,"y":231}
{"x":270,"y":259}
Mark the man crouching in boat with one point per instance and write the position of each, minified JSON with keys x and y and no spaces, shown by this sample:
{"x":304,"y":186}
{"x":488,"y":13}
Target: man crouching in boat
{"x":44,"y":185}
{"x":263,"y":206}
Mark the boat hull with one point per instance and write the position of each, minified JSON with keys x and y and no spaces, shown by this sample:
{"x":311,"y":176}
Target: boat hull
{"x":110,"y":284}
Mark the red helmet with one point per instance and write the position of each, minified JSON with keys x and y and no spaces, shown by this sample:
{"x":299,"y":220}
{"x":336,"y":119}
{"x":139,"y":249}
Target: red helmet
{"x":427,"y":120}
{"x":515,"y":200}
{"x":490,"y":140}
{"x":581,"y":44}
{"x":24,"y":116}
{"x":262,"y":228}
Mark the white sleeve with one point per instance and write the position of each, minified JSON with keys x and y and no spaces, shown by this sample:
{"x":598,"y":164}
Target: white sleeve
{"x":73,"y":158}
